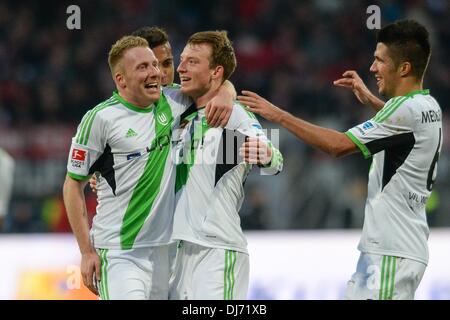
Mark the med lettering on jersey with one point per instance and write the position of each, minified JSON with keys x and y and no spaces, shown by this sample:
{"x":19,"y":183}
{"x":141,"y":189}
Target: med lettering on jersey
{"x":404,"y":139}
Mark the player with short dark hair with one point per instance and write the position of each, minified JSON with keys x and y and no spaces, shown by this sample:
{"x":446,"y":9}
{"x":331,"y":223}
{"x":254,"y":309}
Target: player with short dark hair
{"x":158,"y":41}
{"x":404,"y":139}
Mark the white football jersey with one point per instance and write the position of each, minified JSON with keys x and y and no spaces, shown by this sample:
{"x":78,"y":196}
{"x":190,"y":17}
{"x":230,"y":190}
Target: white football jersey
{"x":405,"y":140}
{"x":210,"y":179}
{"x":132,"y":149}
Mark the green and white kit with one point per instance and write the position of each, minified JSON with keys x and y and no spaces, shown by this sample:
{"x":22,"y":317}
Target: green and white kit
{"x":405,"y":140}
{"x":132,"y":149}
{"x":210,"y":184}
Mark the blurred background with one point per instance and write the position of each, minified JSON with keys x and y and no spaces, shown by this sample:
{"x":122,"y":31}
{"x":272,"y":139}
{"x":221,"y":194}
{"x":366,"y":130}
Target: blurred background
{"x":289,"y":51}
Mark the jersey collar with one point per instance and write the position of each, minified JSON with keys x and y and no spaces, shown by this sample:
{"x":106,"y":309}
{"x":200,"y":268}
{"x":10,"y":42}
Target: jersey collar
{"x":413,"y":93}
{"x":130,"y":105}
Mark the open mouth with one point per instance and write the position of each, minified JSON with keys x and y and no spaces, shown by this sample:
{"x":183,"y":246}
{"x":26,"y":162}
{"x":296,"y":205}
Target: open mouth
{"x":151,"y":86}
{"x":378,"y":80}
{"x":184,"y":79}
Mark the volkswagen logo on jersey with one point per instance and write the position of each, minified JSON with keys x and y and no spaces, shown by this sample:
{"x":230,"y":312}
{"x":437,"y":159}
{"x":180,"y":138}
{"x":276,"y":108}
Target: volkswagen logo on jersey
{"x":162,"y":118}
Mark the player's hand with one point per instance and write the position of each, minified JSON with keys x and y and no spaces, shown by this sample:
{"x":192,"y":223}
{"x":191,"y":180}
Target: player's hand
{"x":218,"y":109}
{"x":90,"y":265}
{"x":261,"y":106}
{"x":351,"y":80}
{"x":256,"y":151}
{"x":93,"y":183}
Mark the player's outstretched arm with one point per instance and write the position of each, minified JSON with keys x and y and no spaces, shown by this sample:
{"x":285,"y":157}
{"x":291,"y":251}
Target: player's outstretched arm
{"x":351,"y":80}
{"x":330,"y":141}
{"x":77,"y":214}
{"x":218,"y":109}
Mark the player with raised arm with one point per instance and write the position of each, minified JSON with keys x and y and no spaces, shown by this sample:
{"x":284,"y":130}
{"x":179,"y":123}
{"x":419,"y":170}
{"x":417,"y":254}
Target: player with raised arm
{"x":212,"y":260}
{"x":128,"y":140}
{"x":405,"y":139}
{"x":158,"y":41}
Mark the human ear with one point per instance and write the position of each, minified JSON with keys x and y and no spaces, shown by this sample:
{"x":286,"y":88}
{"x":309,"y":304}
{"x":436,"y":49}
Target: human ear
{"x":405,"y":68}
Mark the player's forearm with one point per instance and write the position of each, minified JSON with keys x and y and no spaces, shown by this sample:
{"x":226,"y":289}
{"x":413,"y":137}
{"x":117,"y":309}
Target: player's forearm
{"x":376,"y":103}
{"x":328,"y":140}
{"x":77,"y":213}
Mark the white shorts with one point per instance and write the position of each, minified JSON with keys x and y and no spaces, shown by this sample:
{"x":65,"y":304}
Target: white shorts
{"x":203,"y":273}
{"x":135,"y":274}
{"x":380,"y":277}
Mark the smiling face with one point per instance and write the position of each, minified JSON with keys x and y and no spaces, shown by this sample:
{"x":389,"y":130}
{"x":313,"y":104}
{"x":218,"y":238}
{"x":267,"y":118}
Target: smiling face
{"x":385,"y":71}
{"x":138,"y":76}
{"x":164,"y":55}
{"x":194,"y":70}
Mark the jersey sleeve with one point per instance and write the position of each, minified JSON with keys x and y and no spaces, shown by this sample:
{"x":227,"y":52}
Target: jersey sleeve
{"x":179,"y":102}
{"x":247,"y":123}
{"x":391,"y":127}
{"x":87,"y":146}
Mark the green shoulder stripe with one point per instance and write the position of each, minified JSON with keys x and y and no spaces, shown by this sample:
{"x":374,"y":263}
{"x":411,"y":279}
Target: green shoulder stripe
{"x":389,"y":109}
{"x":385,"y":108}
{"x":86,"y":124}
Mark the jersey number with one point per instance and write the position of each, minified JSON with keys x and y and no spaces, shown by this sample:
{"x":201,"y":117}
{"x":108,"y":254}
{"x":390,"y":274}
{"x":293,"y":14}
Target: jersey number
{"x":433,"y":169}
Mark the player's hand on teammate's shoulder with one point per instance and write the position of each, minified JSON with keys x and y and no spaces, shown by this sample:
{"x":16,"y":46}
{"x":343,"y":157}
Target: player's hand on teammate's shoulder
{"x":218,"y":109}
{"x":257,"y":104}
{"x":256,"y":151}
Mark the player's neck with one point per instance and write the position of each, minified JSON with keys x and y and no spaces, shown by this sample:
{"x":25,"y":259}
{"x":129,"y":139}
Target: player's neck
{"x":201,"y":101}
{"x":135,"y":102}
{"x":408,"y":85}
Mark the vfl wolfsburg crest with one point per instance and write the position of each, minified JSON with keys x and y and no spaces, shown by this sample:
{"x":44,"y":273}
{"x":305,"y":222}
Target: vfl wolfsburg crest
{"x":163,"y":119}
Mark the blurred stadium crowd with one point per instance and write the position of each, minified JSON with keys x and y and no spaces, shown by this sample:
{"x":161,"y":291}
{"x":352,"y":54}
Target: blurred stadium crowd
{"x":289,"y":51}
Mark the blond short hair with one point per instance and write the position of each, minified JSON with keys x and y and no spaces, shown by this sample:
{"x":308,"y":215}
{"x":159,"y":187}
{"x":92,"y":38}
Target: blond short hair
{"x":121,"y":46}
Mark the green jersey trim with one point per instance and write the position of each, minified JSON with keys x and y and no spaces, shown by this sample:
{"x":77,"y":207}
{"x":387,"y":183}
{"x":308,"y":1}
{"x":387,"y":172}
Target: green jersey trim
{"x":183,"y":169}
{"x":277,"y":158}
{"x":148,"y":187}
{"x":77,"y":177}
{"x":132,"y":106}
{"x":413,"y":93}
{"x":86,"y":124}
{"x":362,"y":147}
{"x":387,"y":111}
{"x":174,"y":86}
